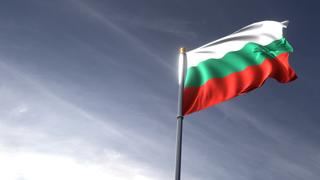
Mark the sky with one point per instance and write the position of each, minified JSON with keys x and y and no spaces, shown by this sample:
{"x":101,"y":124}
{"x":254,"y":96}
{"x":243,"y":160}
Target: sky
{"x":88,"y":90}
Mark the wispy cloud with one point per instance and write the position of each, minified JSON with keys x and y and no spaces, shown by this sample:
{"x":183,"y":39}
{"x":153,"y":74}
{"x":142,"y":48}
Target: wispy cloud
{"x":176,"y":27}
{"x":40,"y":131}
{"x":136,"y":42}
{"x":31,"y":165}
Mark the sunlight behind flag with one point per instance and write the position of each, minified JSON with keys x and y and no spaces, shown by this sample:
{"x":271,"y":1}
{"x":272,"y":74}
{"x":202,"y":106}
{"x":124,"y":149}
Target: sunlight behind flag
{"x":181,"y":65}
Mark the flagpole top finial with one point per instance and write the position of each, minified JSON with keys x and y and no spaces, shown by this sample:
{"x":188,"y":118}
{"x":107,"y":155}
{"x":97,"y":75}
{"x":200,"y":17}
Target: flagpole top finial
{"x":182,"y":50}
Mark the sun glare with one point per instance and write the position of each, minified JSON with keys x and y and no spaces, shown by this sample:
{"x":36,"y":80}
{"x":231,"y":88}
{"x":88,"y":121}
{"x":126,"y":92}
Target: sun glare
{"x":34,"y":166}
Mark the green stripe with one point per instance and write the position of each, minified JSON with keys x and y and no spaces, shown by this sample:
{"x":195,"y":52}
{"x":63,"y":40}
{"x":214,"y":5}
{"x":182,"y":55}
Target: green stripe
{"x":236,"y":61}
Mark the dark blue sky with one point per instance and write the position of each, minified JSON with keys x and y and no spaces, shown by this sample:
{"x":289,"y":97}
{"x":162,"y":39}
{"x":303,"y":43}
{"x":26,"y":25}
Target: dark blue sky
{"x":88,"y":90}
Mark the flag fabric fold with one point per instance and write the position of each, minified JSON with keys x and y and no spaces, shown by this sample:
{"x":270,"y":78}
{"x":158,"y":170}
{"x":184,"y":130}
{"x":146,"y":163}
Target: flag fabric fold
{"x":236,"y":64}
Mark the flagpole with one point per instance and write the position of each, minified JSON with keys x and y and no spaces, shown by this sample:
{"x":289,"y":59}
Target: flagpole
{"x":182,"y":69}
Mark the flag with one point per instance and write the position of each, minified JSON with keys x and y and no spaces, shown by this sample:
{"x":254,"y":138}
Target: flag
{"x":236,"y":64}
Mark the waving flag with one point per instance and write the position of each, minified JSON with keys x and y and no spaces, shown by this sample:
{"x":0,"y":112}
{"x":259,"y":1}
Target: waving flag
{"x":236,"y":64}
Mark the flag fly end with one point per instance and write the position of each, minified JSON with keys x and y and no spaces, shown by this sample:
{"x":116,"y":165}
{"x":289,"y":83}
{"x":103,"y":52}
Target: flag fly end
{"x":285,"y":23}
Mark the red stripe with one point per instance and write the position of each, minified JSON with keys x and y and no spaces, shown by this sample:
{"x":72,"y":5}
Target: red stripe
{"x":217,"y":90}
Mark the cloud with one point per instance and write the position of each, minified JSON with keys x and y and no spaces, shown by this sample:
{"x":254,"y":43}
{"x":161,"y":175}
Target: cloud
{"x":39,"y":166}
{"x":129,"y":37}
{"x":40,"y":131}
{"x":176,"y":27}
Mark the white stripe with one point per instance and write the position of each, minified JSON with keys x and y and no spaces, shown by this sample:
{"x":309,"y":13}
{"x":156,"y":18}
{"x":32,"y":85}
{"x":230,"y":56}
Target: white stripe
{"x":263,"y":33}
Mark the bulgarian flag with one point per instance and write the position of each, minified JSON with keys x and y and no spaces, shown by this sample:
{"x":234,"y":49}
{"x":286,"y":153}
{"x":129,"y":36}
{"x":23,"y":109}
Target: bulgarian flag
{"x":236,"y":64}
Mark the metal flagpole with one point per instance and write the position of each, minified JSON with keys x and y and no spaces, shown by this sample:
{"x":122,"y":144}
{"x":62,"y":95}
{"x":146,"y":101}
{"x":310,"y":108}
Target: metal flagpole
{"x":182,"y":71}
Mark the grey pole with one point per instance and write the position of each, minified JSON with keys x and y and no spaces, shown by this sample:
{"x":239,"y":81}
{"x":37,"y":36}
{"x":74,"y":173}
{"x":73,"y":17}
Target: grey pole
{"x":182,"y":64}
